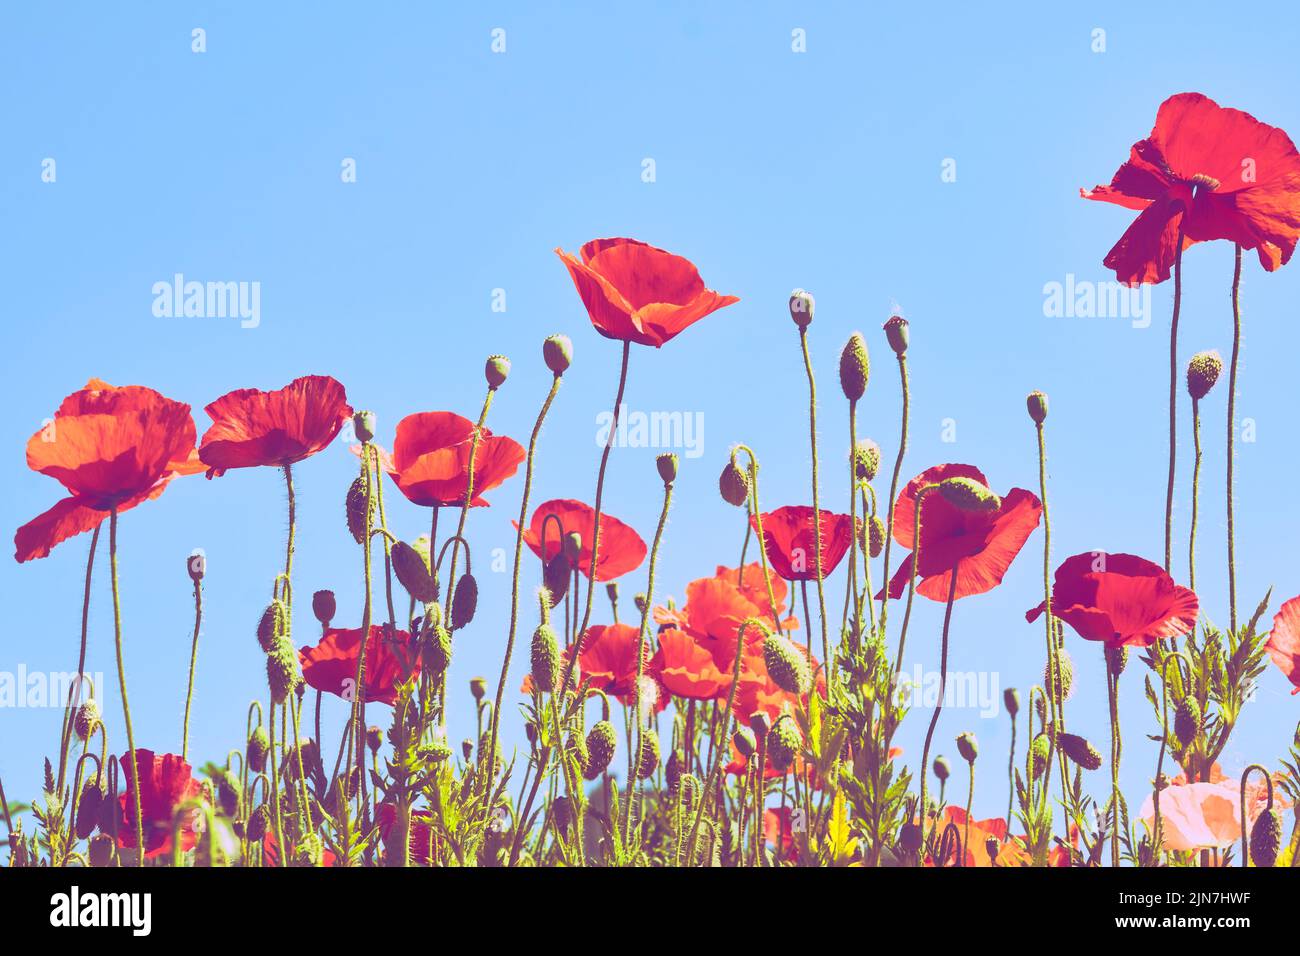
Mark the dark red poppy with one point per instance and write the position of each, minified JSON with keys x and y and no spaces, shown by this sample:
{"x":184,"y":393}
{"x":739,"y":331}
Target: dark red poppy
{"x":251,"y":427}
{"x":331,"y":666}
{"x":621,"y":548}
{"x":778,"y":832}
{"x":687,"y":669}
{"x":976,"y":546}
{"x":1120,"y":599}
{"x":789,"y":539}
{"x":430,"y":459}
{"x":110,"y":448}
{"x":165,"y":783}
{"x":421,"y":833}
{"x":1219,"y":174}
{"x":1284,"y":641}
{"x":637,"y":293}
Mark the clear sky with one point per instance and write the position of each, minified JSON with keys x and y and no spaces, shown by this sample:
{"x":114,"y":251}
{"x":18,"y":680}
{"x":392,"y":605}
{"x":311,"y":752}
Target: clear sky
{"x":772,"y":169}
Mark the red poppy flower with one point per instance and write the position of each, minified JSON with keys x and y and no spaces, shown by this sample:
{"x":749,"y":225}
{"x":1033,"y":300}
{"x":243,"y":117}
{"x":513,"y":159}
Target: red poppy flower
{"x":758,"y":692}
{"x":976,"y":546}
{"x":1120,"y":599}
{"x":789,"y":539}
{"x":271,"y":851}
{"x":608,"y":657}
{"x":251,"y":427}
{"x":716,"y":607}
{"x":111,"y":448}
{"x":637,"y":293}
{"x":430,"y":459}
{"x":421,"y":833}
{"x":165,"y":783}
{"x":331,"y":666}
{"x":687,"y":669}
{"x":1219,"y":174}
{"x":621,"y":548}
{"x":778,"y":828}
{"x":1284,"y":642}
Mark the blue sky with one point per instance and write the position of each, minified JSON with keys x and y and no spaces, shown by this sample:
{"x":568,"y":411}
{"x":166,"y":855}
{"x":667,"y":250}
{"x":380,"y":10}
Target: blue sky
{"x":773,"y":169}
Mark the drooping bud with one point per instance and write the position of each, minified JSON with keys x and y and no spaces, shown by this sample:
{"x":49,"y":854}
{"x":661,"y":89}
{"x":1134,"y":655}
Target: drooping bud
{"x":744,"y":740}
{"x":866,"y":460}
{"x":1202,"y":372}
{"x":282,"y":670}
{"x":667,"y":465}
{"x":103,"y":850}
{"x":855,"y":367}
{"x":258,"y":746}
{"x":802,"y":305}
{"x":783,"y":743}
{"x":464,"y":601}
{"x":229,"y":792}
{"x":363,"y":426}
{"x":413,"y":572}
{"x":1187,"y":720}
{"x":557,"y":353}
{"x":436,"y":651}
{"x":478,"y":687}
{"x":601,"y":740}
{"x":359,"y":507}
{"x":1039,"y":750}
{"x":571,"y":547}
{"x":1265,"y":838}
{"x":87,"y":717}
{"x":969,"y":495}
{"x":1036,"y":405}
{"x":324,"y":606}
{"x":942,"y":769}
{"x":1079,"y":750}
{"x":1011,"y":700}
{"x":968,"y":746}
{"x":896,"y":333}
{"x":576,"y":747}
{"x":734,"y":484}
{"x":555,"y":575}
{"x":787,"y":667}
{"x":88,"y":807}
{"x":545,"y":658}
{"x":673,"y":770}
{"x":649,"y":761}
{"x":272,"y":625}
{"x":760,"y":723}
{"x":875,"y":536}
{"x":496,"y":370}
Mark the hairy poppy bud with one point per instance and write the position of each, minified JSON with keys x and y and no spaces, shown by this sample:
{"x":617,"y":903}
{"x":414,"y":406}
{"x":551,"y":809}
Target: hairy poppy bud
{"x":783,"y":743}
{"x":896,"y":333}
{"x":909,"y":837}
{"x":282,"y":670}
{"x":942,"y":769}
{"x":673,"y":769}
{"x":1036,"y":404}
{"x":88,"y":807}
{"x":785,"y":665}
{"x":875,"y":536}
{"x":87,"y":717}
{"x":495,"y":370}
{"x":760,"y":723}
{"x":258,"y":746}
{"x":363,"y":425}
{"x":744,"y":740}
{"x":545,"y":658}
{"x":1116,"y":659}
{"x":969,"y":495}
{"x":855,"y":367}
{"x":801,"y":308}
{"x":1187,"y":720}
{"x":272,"y":625}
{"x":639,"y":599}
{"x":734,"y":484}
{"x":360,"y":507}
{"x":1011,"y":700}
{"x":436,"y":652}
{"x":464,"y":602}
{"x":1265,"y":838}
{"x":103,"y":850}
{"x":611,"y":591}
{"x":667,"y":465}
{"x":1202,"y":372}
{"x":478,"y":687}
{"x":434,"y":753}
{"x":968,"y":746}
{"x":374,"y":738}
{"x":412,"y":571}
{"x":576,"y":748}
{"x":1064,"y":685}
{"x":467,"y":748}
{"x":557,"y":353}
{"x":649,"y":761}
{"x":228,"y":792}
{"x":562,"y":814}
{"x":866,"y":460}
{"x":324,"y":606}
{"x":600,"y":748}
{"x":196,"y":565}
{"x":1039,"y":750}
{"x":257,"y":823}
{"x":991,"y":847}
{"x":555,"y":575}
{"x":1079,"y":750}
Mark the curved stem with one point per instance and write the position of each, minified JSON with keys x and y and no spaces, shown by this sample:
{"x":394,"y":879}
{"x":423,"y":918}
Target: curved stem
{"x":121,"y":680}
{"x":943,"y":683}
{"x":194,"y":657}
{"x":1232,"y":424}
{"x":893,"y":492}
{"x":70,"y":713}
{"x":1245,"y":775}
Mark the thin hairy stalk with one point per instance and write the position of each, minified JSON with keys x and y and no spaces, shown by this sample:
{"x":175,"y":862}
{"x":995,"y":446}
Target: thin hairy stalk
{"x":1055,"y":695}
{"x":358,"y":736}
{"x":817,"y":511}
{"x":893,"y":490}
{"x":1245,"y":775}
{"x":970,"y":800}
{"x":1112,"y":687}
{"x":911,"y":583}
{"x":756,"y":517}
{"x":1232,"y":422}
{"x":121,"y":681}
{"x":1011,"y":774}
{"x":69,"y":712}
{"x":943,"y":683}
{"x":1164,"y":737}
{"x":1196,"y":492}
{"x":1173,"y":399}
{"x":194,"y":658}
{"x":851,"y":582}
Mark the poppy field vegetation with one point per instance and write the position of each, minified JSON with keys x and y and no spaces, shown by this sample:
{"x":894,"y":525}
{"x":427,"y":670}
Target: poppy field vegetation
{"x":752,"y":725}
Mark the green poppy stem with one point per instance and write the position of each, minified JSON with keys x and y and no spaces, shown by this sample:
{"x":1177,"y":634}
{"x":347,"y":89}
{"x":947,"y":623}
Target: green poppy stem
{"x":1232,"y":425}
{"x":121,"y":680}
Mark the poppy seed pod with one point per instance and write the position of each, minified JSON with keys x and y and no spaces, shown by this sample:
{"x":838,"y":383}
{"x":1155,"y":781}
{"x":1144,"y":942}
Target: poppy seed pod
{"x":673,"y":770}
{"x":1011,"y":700}
{"x":1080,"y":751}
{"x":282,"y":670}
{"x":324,"y":606}
{"x":363,"y":425}
{"x":478,"y":687}
{"x":412,"y":571}
{"x":1116,"y":659}
{"x":557,"y":353}
{"x":1202,"y":372}
{"x":102,"y":851}
{"x":942,"y":769}
{"x":436,"y":652}
{"x":802,"y":305}
{"x":760,"y":723}
{"x":359,"y":507}
{"x":667,"y":465}
{"x":733,"y":484}
{"x":785,"y":665}
{"x":649,"y":761}
{"x":272,"y":625}
{"x":88,"y":807}
{"x":855,"y":367}
{"x":464,"y":602}
{"x":969,"y":495}
{"x":545,"y":658}
{"x":1039,"y":750}
{"x":611,"y":591}
{"x":783,"y":743}
{"x":196,"y":565}
{"x":866,"y":460}
{"x":909,"y":837}
{"x":258,"y":746}
{"x":496,"y":369}
{"x":467,"y":748}
{"x":1064,"y":685}
{"x":87,"y":717}
{"x":1265,"y":838}
{"x":744,"y":741}
{"x":1036,"y":404}
{"x":374,"y":738}
{"x":991,"y":847}
{"x":896,"y":333}
{"x":600,"y":748}
{"x":639,"y":599}
{"x":968,"y":746}
{"x":1187,"y":720}
{"x":875,"y":536}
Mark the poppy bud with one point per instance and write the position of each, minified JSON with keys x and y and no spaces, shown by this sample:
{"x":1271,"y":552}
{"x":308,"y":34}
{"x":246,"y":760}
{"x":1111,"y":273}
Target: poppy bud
{"x":734,"y":484}
{"x":1064,"y":686}
{"x":991,"y":847}
{"x":555,"y":575}
{"x":1202,"y":372}
{"x":866,"y":460}
{"x":562,"y":814}
{"x":783,"y":742}
{"x":611,"y":591}
{"x":667,"y":465}
{"x":374,"y":738}
{"x":942,"y":769}
{"x":360,"y":506}
{"x":258,"y":745}
{"x":576,"y":747}
{"x":557,"y":353}
{"x":434,"y":753}
{"x":436,"y":653}
{"x":1116,"y":659}
{"x":1011,"y":700}
{"x":968,"y":746}
{"x":896,"y":333}
{"x":571,"y":547}
{"x":969,"y":495}
{"x":673,"y":769}
{"x":464,"y":602}
{"x":1265,"y":838}
{"x":545,"y":658}
{"x":257,"y":823}
{"x":272,"y":625}
{"x":412,"y":571}
{"x":467,"y":748}
{"x":195,"y":565}
{"x":744,"y":740}
{"x":875,"y":536}
{"x":760,"y":723}
{"x":855,"y":367}
{"x":87,"y":717}
{"x":228,"y":792}
{"x":1187,"y":720}
{"x":600,"y":748}
{"x":785,"y":665}
{"x":649,"y":761}
{"x":909,"y":837}
{"x":103,"y":851}
{"x":801,"y":308}
{"x":495,"y":370}
{"x":477,"y":687}
{"x":88,"y":807}
{"x":530,"y":731}
{"x":324,"y":606}
{"x":1036,"y":403}
{"x":282,"y":670}
{"x":1039,"y":750}
{"x":1080,"y":751}
{"x":363,"y":425}
{"x":639,"y":599}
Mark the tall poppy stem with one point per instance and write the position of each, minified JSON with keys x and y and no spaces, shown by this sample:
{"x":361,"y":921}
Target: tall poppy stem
{"x":817,"y":512}
{"x":1112,"y":686}
{"x":358,"y":735}
{"x":893,"y":493}
{"x":1173,"y":399}
{"x":194,"y":658}
{"x":1196,"y":491}
{"x":943,"y":683}
{"x":70,"y":713}
{"x":1011,"y":774}
{"x":1056,"y":688}
{"x":851,"y":581}
{"x":1232,"y":425}
{"x":121,"y":681}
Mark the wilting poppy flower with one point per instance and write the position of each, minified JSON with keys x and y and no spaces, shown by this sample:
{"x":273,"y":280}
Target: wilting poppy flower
{"x":165,"y":783}
{"x":1219,"y":174}
{"x":621,"y":548}
{"x":110,"y":448}
{"x":1120,"y":599}
{"x":430,"y":459}
{"x":790,"y":543}
{"x":1284,"y":641}
{"x":687,"y":669}
{"x":637,"y":293}
{"x":976,"y":546}
{"x":331,"y":666}
{"x":251,"y":427}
